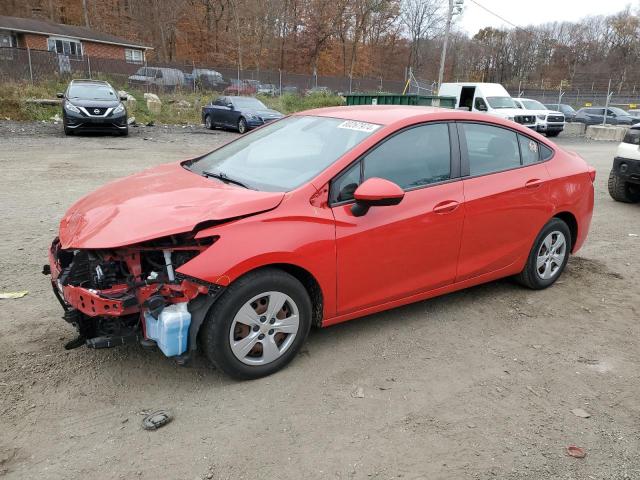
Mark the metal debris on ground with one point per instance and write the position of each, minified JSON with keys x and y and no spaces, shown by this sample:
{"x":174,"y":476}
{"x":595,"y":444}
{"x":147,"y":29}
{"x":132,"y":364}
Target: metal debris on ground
{"x":19,"y":294}
{"x":156,"y":419}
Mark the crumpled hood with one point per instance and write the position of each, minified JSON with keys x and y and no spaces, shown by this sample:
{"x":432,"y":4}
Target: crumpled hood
{"x":161,"y":201}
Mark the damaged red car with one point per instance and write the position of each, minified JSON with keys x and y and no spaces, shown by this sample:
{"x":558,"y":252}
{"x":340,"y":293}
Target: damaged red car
{"x":321,"y":217}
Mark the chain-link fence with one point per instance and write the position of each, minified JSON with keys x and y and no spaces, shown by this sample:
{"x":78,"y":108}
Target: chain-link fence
{"x":36,"y":66}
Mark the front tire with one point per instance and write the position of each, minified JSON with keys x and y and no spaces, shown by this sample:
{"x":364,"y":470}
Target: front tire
{"x":548,"y":256}
{"x":553,"y":134}
{"x":68,"y":131}
{"x":242,"y":125}
{"x":622,"y":191}
{"x":258,"y":324}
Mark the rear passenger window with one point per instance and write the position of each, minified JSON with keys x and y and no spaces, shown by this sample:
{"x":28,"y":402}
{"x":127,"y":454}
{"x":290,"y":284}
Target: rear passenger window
{"x":490,"y":149}
{"x":415,"y":157}
{"x":529,"y":150}
{"x":545,"y":152}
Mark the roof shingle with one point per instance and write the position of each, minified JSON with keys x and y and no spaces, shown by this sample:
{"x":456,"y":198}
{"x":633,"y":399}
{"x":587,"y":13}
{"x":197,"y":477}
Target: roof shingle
{"x":32,"y":25}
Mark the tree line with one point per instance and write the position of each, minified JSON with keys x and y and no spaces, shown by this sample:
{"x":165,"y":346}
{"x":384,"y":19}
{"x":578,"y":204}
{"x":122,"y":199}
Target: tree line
{"x":362,"y":38}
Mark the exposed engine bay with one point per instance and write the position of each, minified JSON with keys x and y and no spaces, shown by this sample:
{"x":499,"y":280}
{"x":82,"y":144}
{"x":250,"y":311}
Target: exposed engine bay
{"x":107,"y":294}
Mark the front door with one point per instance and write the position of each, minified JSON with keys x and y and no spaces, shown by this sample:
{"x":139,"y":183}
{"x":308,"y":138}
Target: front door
{"x":396,"y":251}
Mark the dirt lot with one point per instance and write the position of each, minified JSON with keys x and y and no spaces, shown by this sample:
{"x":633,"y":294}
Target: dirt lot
{"x":479,"y":384}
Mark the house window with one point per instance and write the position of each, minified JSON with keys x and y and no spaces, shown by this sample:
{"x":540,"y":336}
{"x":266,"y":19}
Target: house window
{"x":64,"y":46}
{"x":6,"y":40}
{"x":133,"y":56}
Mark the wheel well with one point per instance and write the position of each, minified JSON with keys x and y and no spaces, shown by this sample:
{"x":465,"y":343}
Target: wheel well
{"x":572,"y":223}
{"x":310,"y":284}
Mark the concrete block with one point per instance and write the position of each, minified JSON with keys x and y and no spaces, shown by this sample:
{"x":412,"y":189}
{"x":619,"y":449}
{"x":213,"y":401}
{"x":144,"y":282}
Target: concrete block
{"x":574,"y":129}
{"x":607,"y":133}
{"x":154,"y":105}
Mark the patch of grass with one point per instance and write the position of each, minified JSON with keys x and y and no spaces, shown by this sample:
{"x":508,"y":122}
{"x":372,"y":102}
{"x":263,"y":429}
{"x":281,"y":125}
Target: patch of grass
{"x":294,"y":103}
{"x":177,"y":108}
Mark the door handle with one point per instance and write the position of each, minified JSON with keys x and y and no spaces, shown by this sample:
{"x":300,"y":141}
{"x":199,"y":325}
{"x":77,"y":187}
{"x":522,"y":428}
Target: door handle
{"x":534,"y":183}
{"x":447,"y":206}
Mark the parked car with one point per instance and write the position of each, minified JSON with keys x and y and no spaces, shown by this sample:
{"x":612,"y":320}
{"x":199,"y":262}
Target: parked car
{"x":240,"y":88}
{"x":159,"y":78}
{"x":324,"y":216}
{"x":624,"y":179}
{"x":547,"y":121}
{"x":567,"y":110}
{"x":595,"y":116}
{"x":267,"y":89}
{"x":290,"y":90}
{"x":240,"y":113}
{"x":93,"y":105}
{"x":208,"y":79}
{"x":490,"y":98}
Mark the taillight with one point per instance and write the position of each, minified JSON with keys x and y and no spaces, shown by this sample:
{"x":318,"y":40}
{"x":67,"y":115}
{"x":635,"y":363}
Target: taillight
{"x":592,"y":174}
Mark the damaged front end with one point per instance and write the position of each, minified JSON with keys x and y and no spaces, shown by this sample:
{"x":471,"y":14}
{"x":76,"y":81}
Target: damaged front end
{"x":132,"y":294}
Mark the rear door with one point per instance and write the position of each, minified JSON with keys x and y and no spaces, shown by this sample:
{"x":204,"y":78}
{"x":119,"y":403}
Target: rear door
{"x":506,"y":195}
{"x":397,"y":251}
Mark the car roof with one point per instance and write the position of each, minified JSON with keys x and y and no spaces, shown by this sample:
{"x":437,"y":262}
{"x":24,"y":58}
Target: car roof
{"x":90,"y":82}
{"x":390,"y":114}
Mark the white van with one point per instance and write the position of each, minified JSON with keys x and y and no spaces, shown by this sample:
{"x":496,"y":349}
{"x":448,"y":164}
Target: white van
{"x":491,"y":98}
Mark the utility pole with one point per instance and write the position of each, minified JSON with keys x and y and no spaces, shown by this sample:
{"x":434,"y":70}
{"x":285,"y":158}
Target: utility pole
{"x":455,"y":8}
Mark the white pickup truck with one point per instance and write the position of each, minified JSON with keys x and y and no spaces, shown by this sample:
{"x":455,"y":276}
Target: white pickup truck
{"x":491,"y":98}
{"x":548,"y":121}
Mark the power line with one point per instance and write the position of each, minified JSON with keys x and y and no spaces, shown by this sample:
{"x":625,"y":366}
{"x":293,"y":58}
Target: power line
{"x":496,"y":15}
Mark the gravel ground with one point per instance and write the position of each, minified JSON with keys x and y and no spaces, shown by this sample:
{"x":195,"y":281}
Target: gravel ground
{"x":479,"y":384}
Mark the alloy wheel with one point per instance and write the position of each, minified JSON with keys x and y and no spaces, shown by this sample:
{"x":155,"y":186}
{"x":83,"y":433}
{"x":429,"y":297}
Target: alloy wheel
{"x":264,"y":328}
{"x":551,"y":255}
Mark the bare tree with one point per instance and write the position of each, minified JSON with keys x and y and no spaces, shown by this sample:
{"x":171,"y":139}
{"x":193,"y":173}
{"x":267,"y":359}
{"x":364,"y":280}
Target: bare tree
{"x":422,"y":20}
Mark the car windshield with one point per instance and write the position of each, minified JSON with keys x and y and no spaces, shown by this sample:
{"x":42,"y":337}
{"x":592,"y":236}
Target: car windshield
{"x":533,"y":105}
{"x":248,"y":102}
{"x":618,"y":111}
{"x":501,"y":102}
{"x":92,"y":92}
{"x":283,"y":155}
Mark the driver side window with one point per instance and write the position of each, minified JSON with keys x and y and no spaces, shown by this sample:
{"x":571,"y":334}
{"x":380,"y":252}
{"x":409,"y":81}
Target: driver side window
{"x":480,"y":104}
{"x":415,"y":157}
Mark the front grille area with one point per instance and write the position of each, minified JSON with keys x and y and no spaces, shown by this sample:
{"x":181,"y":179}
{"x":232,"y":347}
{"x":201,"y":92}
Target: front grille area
{"x":96,"y":110}
{"x":555,"y":118}
{"x":525,"y":119}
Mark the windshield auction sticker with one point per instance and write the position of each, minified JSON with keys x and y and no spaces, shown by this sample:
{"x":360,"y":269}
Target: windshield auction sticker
{"x":359,"y":126}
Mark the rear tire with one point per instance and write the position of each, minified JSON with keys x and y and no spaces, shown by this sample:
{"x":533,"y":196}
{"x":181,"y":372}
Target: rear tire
{"x":242,"y":125}
{"x":622,"y":191}
{"x":224,"y":328}
{"x":548,"y":256}
{"x":208,"y":123}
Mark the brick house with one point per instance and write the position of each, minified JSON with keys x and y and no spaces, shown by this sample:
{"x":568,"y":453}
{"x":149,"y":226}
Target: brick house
{"x":69,"y":40}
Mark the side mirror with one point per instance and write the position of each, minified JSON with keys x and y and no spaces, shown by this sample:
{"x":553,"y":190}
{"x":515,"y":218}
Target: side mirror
{"x":376,"y":192}
{"x":230,"y":106}
{"x":60,"y":95}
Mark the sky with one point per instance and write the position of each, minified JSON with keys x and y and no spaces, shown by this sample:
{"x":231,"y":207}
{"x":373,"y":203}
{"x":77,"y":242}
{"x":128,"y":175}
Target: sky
{"x":533,"y":12}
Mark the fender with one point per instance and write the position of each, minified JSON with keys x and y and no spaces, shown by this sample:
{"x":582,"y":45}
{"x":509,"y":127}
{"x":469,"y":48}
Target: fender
{"x":268,"y":238}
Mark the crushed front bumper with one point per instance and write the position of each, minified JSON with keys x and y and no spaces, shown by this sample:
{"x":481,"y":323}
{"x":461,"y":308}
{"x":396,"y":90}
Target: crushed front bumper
{"x":105,"y":294}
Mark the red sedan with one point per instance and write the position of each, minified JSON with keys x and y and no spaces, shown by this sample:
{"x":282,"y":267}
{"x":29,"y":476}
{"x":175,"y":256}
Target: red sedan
{"x":318,"y":218}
